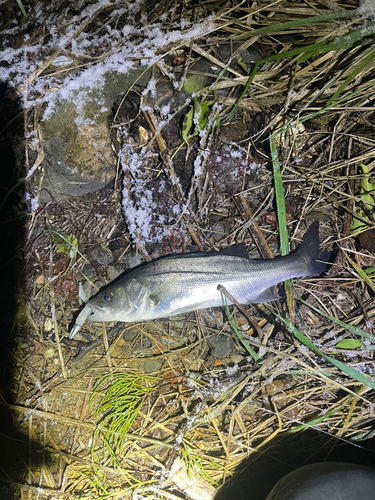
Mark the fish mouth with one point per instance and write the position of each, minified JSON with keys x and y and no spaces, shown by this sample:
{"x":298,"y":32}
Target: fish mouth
{"x":81,"y":319}
{"x":88,"y":313}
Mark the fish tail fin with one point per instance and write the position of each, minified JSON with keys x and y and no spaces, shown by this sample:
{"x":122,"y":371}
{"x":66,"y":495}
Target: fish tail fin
{"x":310,"y":252}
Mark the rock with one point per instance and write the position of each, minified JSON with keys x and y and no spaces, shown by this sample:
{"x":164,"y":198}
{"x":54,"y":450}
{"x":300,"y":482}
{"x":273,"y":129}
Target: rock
{"x":49,"y":353}
{"x":131,"y":334}
{"x":76,"y":141}
{"x":222,"y":345}
{"x":235,"y":358}
{"x":59,"y":315}
{"x":132,"y":259}
{"x":152,"y":365}
{"x":196,"y":365}
{"x":145,"y":343}
{"x":88,"y":289}
{"x":89,"y":271}
{"x":48,"y":325}
{"x":99,"y":255}
{"x":114,"y":271}
{"x":248,"y":56}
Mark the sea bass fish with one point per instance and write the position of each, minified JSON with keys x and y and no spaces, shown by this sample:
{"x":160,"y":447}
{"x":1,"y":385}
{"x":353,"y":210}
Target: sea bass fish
{"x":182,"y":283}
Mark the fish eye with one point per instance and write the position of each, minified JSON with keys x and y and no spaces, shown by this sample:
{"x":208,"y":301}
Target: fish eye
{"x":107,"y":297}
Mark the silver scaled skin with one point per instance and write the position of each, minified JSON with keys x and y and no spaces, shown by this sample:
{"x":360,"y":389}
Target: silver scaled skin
{"x":182,"y":283}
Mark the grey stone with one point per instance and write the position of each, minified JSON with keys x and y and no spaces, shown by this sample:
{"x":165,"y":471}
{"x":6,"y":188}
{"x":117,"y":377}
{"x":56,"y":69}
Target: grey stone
{"x":131,"y":334}
{"x":100,"y":255}
{"x":88,"y":289}
{"x":249,"y":56}
{"x":78,"y":152}
{"x":114,"y":271}
{"x":132,"y":259}
{"x":222,"y":345}
{"x":152,"y":365}
{"x":89,"y":271}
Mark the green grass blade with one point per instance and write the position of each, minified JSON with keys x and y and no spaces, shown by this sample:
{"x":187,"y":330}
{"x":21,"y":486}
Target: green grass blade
{"x":314,"y":422}
{"x":293,"y":120}
{"x":308,"y":51}
{"x":281,"y":217}
{"x":246,"y":88}
{"x":348,"y":370}
{"x":74,"y":247}
{"x":353,"y":329}
{"x":239,"y":335}
{"x":298,"y":23}
{"x":280,"y":199}
{"x":361,"y":272}
{"x":22,"y":8}
{"x":357,"y":69}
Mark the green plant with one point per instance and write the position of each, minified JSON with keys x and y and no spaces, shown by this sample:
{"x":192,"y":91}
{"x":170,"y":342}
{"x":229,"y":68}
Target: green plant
{"x":365,"y":195}
{"x":120,"y":403}
{"x":197,"y":463}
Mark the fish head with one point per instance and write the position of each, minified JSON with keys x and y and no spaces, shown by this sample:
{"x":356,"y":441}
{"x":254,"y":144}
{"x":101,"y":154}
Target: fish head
{"x":121,"y":301}
{"x":110,"y":304}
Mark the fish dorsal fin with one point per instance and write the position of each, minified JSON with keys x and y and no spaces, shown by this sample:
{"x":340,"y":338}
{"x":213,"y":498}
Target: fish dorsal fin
{"x":238,"y":250}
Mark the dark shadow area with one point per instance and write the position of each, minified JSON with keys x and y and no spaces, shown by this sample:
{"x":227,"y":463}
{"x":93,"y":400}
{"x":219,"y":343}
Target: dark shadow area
{"x":16,"y":449}
{"x":256,"y":476}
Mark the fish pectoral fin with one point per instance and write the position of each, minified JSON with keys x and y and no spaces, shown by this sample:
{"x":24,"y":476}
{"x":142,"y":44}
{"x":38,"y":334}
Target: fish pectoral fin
{"x":157,"y":295}
{"x":268,"y":295}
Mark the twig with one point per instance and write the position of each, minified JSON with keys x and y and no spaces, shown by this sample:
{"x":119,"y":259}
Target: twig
{"x":106,"y":346}
{"x":86,"y":347}
{"x":81,"y":416}
{"x":54,"y":321}
{"x":171,"y":173}
{"x":254,"y":229}
{"x":249,"y":316}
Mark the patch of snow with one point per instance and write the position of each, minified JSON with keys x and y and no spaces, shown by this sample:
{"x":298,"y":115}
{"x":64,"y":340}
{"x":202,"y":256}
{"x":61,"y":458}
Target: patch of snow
{"x":23,"y":61}
{"x":165,"y":110}
{"x":231,"y":370}
{"x":367,"y":9}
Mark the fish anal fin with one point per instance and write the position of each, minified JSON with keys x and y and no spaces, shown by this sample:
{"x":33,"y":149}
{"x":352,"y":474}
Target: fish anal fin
{"x":267,"y":295}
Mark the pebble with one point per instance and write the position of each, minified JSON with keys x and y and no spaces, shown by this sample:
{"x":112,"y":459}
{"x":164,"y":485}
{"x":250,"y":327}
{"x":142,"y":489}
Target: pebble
{"x":87,"y":289}
{"x":49,"y":353}
{"x":131,"y":334}
{"x":100,"y":255}
{"x":132,"y":259}
{"x":89,"y":271}
{"x":222,"y":345}
{"x":39,"y":280}
{"x":152,"y":365}
{"x":235,"y":358}
{"x":114,"y":271}
{"x":48,"y":325}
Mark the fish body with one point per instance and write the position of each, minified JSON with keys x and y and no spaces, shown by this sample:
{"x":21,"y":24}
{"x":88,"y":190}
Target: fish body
{"x":182,"y":283}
